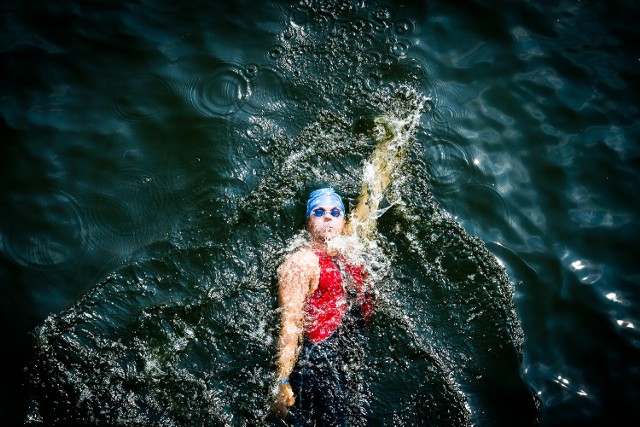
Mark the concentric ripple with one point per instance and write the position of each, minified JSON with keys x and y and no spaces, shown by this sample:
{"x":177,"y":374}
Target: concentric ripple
{"x":141,"y":97}
{"x":221,"y":93}
{"x":52,"y":232}
{"x":132,"y":212}
{"x":443,"y":115}
{"x":404,"y":27}
{"x":448,"y":165}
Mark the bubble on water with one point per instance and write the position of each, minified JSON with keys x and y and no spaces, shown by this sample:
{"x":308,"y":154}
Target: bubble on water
{"x":254,"y":132}
{"x":429,"y":105}
{"x":260,"y":136}
{"x":251,"y":70}
{"x":346,"y":63}
{"x":382,"y":17}
{"x":320,"y":23}
{"x":276,"y":52}
{"x":268,"y":94}
{"x":400,"y":48}
{"x":360,"y":26}
{"x":404,"y":26}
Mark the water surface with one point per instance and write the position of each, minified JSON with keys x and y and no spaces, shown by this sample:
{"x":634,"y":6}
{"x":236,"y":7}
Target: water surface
{"x":156,"y":158}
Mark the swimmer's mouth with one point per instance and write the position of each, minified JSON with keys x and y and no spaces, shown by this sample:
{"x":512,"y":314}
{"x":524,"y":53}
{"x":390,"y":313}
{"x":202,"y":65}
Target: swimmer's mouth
{"x":329,"y":232}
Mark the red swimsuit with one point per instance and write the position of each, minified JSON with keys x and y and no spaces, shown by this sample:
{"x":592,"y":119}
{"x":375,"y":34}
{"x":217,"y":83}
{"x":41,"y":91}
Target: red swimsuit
{"x":328,"y":304}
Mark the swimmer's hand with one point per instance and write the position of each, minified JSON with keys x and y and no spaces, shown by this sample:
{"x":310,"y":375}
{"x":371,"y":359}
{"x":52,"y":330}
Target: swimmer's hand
{"x":283,"y":400}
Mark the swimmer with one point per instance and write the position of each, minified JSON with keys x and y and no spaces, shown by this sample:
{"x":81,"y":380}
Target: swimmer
{"x":324,"y":307}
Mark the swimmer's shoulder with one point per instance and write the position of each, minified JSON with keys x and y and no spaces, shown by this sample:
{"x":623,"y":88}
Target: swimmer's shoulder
{"x":302,"y":258}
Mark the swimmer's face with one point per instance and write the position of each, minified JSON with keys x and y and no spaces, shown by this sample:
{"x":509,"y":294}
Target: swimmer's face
{"x":326,"y":226}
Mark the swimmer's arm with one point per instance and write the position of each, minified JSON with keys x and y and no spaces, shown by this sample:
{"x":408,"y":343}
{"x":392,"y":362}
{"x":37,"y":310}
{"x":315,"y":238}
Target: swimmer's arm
{"x":295,"y":279}
{"x":383,"y":162}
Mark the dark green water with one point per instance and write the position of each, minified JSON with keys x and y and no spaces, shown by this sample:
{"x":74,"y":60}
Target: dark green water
{"x":156,"y":157}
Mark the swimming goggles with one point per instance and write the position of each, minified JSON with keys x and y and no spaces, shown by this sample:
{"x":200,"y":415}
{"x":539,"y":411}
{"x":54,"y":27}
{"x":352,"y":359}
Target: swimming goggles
{"x":320,"y":212}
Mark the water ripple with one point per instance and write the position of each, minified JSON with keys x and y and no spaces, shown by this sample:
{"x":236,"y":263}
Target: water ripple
{"x":400,"y":48}
{"x":417,"y":72}
{"x":268,"y":93}
{"x":221,"y":93}
{"x":448,"y":165}
{"x":321,"y":23}
{"x":52,"y":231}
{"x":141,"y":97}
{"x":487,"y":201}
{"x":260,"y":136}
{"x":382,"y":17}
{"x":404,"y":27}
{"x":133,"y":211}
{"x":443,"y":115}
{"x":595,"y":217}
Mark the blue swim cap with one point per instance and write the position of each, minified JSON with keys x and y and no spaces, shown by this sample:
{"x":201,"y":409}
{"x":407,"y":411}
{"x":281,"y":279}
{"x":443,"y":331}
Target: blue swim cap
{"x":324,"y":196}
